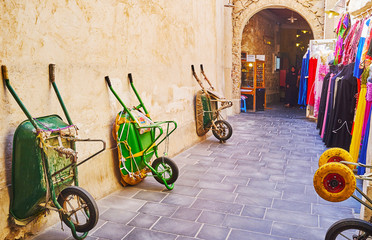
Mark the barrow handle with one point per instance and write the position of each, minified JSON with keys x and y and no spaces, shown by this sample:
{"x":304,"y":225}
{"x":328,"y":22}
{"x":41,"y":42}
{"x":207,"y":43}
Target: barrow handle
{"x":4,"y":71}
{"x":130,"y":78}
{"x":201,"y":67}
{"x":52,"y":75}
{"x":192,"y":68}
{"x":108,"y":81}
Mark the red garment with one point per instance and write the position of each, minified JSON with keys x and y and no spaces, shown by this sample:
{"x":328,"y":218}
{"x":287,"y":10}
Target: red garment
{"x":313,"y":62}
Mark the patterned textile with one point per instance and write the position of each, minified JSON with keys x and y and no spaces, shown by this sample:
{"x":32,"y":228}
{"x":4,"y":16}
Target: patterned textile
{"x":342,"y":30}
{"x":323,"y":70}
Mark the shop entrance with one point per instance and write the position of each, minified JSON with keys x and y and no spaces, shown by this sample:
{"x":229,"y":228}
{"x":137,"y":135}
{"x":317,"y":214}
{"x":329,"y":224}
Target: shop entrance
{"x":274,"y":39}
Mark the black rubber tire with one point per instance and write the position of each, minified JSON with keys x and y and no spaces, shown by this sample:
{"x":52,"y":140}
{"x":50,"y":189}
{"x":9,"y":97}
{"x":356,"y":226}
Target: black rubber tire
{"x":224,"y":127}
{"x":90,"y":210}
{"x":169,"y":165}
{"x":349,"y":224}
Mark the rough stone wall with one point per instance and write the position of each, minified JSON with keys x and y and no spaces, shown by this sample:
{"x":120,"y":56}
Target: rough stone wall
{"x":156,"y":41}
{"x":253,"y":43}
{"x":311,"y":10}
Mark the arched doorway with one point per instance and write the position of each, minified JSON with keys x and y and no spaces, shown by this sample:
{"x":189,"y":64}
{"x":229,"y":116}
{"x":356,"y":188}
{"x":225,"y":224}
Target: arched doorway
{"x":312,"y":15}
{"x":280,"y":36}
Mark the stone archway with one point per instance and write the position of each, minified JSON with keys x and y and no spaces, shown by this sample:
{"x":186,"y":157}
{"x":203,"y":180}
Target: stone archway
{"x":311,"y":11}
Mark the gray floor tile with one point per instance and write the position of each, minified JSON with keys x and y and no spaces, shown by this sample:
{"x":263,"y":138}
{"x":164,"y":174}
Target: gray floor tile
{"x":187,"y":214}
{"x":258,"y":192}
{"x":128,"y":191}
{"x":253,"y":211}
{"x":216,"y":186}
{"x":143,"y":234}
{"x":262,"y":184}
{"x":335,"y":211}
{"x":112,"y":231}
{"x":158,"y":209}
{"x":254,"y":200}
{"x":246,"y":223}
{"x":150,"y":196}
{"x":243,"y":181}
{"x":118,"y":215}
{"x":298,"y":232}
{"x":222,"y":196}
{"x":231,"y":208}
{"x":247,"y":235}
{"x":212,"y":218}
{"x":54,"y":234}
{"x":304,"y":219}
{"x":144,"y":221}
{"x":178,"y":200}
{"x":209,"y":232}
{"x":177,"y":226}
{"x":292,"y":206}
{"x":114,"y":201}
{"x":186,"y":190}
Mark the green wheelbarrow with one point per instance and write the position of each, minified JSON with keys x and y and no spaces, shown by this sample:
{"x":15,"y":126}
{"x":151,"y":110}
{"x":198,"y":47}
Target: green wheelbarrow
{"x":44,"y":167}
{"x":138,"y":138}
{"x":208,"y":107}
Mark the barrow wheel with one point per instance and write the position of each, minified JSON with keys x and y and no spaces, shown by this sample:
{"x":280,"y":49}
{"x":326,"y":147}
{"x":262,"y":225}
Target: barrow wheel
{"x":223,"y":130}
{"x":336,"y":155}
{"x":350,"y":228}
{"x":166,"y":168}
{"x":79,"y":208}
{"x":334,"y":182}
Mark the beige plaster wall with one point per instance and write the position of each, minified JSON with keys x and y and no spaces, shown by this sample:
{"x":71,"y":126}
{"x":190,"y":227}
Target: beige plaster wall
{"x":156,"y":41}
{"x":311,"y":10}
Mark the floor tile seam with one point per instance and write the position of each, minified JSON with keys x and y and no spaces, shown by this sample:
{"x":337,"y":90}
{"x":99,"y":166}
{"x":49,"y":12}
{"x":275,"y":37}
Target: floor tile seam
{"x":228,"y":234}
{"x":157,"y":231}
{"x":200,"y":228}
{"x":300,"y":225}
{"x":127,"y":233}
{"x":92,"y":232}
{"x":144,"y":190}
{"x":336,"y":206}
{"x":294,"y":212}
{"x":252,"y":231}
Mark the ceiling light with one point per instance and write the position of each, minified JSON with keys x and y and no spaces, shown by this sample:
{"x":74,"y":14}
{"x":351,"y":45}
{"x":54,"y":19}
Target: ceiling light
{"x":292,"y":19}
{"x":337,"y":9}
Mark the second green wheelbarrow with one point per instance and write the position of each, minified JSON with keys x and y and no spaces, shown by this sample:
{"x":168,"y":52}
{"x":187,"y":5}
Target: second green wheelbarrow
{"x":138,"y":138}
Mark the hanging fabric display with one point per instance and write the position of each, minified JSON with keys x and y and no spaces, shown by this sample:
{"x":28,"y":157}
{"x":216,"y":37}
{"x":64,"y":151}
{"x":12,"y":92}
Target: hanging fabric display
{"x":303,"y":80}
{"x":342,"y":97}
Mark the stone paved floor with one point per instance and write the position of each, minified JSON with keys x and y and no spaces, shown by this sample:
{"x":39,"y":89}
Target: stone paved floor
{"x":257,"y":186}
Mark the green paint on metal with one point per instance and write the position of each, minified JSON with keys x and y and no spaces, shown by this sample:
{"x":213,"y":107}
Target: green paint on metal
{"x":28,"y":177}
{"x":11,"y":90}
{"x":62,"y":103}
{"x":136,"y":143}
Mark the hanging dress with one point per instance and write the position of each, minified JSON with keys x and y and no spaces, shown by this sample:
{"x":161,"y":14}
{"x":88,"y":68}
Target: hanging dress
{"x":322,"y":72}
{"x":357,"y":71}
{"x":303,"y":80}
{"x":342,"y":31}
{"x":311,"y":81}
{"x":365,"y":141}
{"x":343,"y":112}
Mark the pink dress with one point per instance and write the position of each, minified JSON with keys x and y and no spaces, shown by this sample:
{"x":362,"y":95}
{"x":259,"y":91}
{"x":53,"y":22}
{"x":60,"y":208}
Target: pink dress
{"x":323,"y":70}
